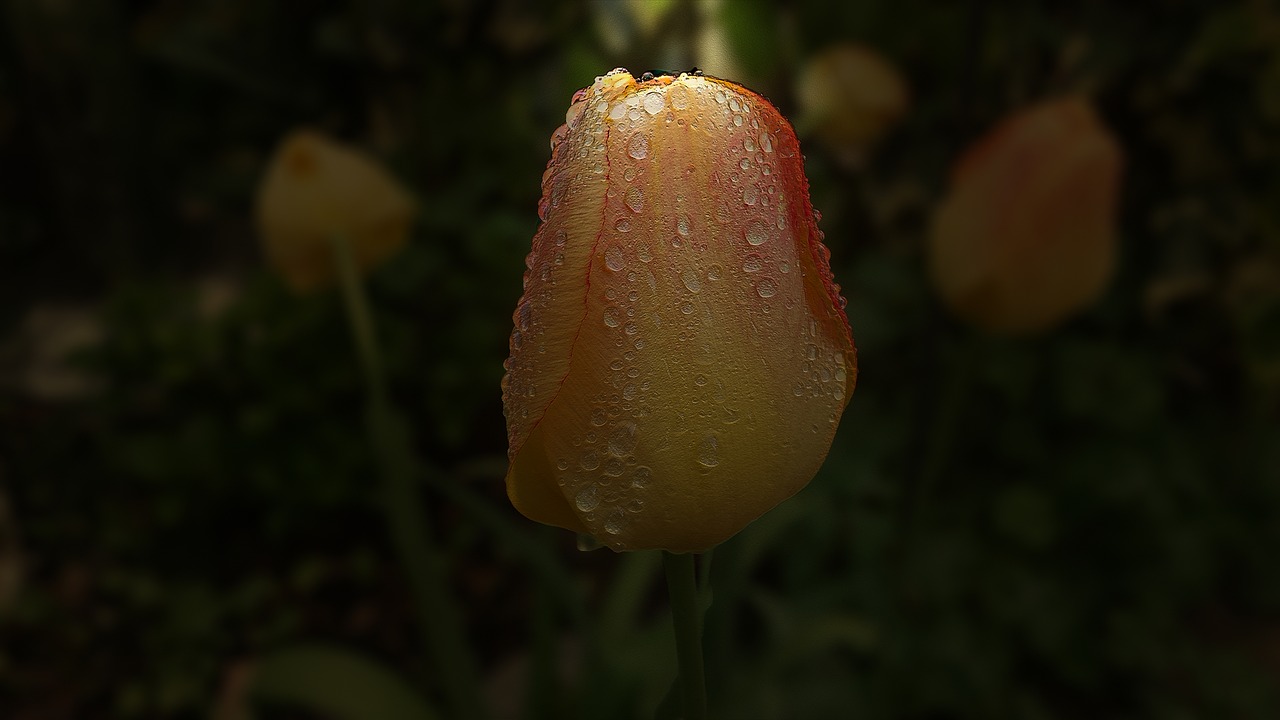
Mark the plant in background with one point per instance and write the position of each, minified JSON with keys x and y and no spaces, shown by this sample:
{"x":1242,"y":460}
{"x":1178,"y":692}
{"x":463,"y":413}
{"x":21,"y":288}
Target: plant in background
{"x":315,"y":189}
{"x":849,"y":97}
{"x":681,"y":355}
{"x":1026,"y":236}
{"x":327,"y":213}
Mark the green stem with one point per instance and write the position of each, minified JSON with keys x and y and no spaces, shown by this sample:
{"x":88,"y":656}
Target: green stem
{"x":684,"y":618}
{"x":438,"y":618}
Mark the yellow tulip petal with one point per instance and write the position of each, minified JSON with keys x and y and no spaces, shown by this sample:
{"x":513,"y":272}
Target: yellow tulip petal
{"x":683,"y":366}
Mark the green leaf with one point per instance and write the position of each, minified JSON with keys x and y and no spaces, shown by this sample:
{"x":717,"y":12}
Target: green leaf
{"x":337,"y":683}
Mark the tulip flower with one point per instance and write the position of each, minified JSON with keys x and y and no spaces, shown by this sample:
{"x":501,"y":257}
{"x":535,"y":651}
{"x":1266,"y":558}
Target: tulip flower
{"x":849,"y":96}
{"x":1027,"y":234}
{"x":315,"y":190}
{"x":681,"y":355}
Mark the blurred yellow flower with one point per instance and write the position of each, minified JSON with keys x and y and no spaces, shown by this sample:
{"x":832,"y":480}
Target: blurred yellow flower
{"x":849,"y":96}
{"x":1027,"y":234}
{"x":681,"y":355}
{"x":316,"y":189}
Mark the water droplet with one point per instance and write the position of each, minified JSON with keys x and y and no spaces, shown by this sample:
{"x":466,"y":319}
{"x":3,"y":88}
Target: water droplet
{"x":751,"y":263}
{"x":644,"y":254}
{"x":614,"y":520}
{"x":720,"y":97}
{"x":744,"y":163}
{"x":614,"y":259}
{"x":766,"y":288}
{"x":715,"y":272}
{"x":749,"y":145}
{"x":709,"y":451}
{"x":700,"y":380}
{"x":589,"y":460}
{"x":691,"y":280}
{"x":784,"y":267}
{"x":687,"y":308}
{"x":734,"y":105}
{"x":613,"y":467}
{"x":653,"y":102}
{"x":617,"y":111}
{"x":588,"y":499}
{"x":623,"y":438}
{"x":757,"y":233}
{"x":782,"y":222}
{"x":616,"y":365}
{"x":638,"y":148}
{"x":682,"y":225}
{"x":631,"y":328}
{"x":562,"y":464}
{"x":561,"y":238}
{"x":737,"y":120}
{"x":641,"y":476}
{"x":622,"y":225}
{"x":840,"y":374}
{"x":599,"y":416}
{"x":766,"y":142}
{"x":629,"y":174}
{"x":634,"y":199}
{"x":679,"y":95}
{"x":749,"y":195}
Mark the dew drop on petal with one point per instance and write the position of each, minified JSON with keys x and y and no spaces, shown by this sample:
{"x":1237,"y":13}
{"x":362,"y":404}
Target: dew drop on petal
{"x":691,"y":280}
{"x":638,"y":148}
{"x":599,"y":416}
{"x":623,"y":438}
{"x":715,"y":272}
{"x":588,"y":499}
{"x":709,"y":451}
{"x":682,"y":225}
{"x":749,"y":195}
{"x":766,"y":288}
{"x":622,"y":225}
{"x":680,"y":95}
{"x":613,"y":521}
{"x":766,"y":142}
{"x":590,"y":460}
{"x":641,"y":476}
{"x":749,"y":144}
{"x":634,"y":199}
{"x":751,"y":263}
{"x":614,"y":259}
{"x":611,"y":316}
{"x":757,"y":233}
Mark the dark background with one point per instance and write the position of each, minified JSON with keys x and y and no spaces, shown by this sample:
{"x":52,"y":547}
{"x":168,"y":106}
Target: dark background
{"x":1077,"y":524}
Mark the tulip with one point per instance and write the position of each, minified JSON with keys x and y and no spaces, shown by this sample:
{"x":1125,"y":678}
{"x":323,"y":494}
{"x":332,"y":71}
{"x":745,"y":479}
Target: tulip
{"x":681,"y":355}
{"x":1027,"y":234}
{"x":850,"y":96}
{"x":316,"y":190}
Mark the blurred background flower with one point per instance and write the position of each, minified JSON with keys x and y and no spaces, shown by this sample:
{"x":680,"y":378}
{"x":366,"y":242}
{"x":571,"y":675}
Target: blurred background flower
{"x":848,"y":97}
{"x":1027,"y":233}
{"x":315,"y":191}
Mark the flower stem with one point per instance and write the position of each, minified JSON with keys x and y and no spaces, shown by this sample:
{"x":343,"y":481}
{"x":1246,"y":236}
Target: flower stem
{"x":438,"y":618}
{"x":688,"y":630}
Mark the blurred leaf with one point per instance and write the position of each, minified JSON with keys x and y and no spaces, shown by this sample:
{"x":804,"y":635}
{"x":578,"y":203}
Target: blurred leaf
{"x":336,"y":683}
